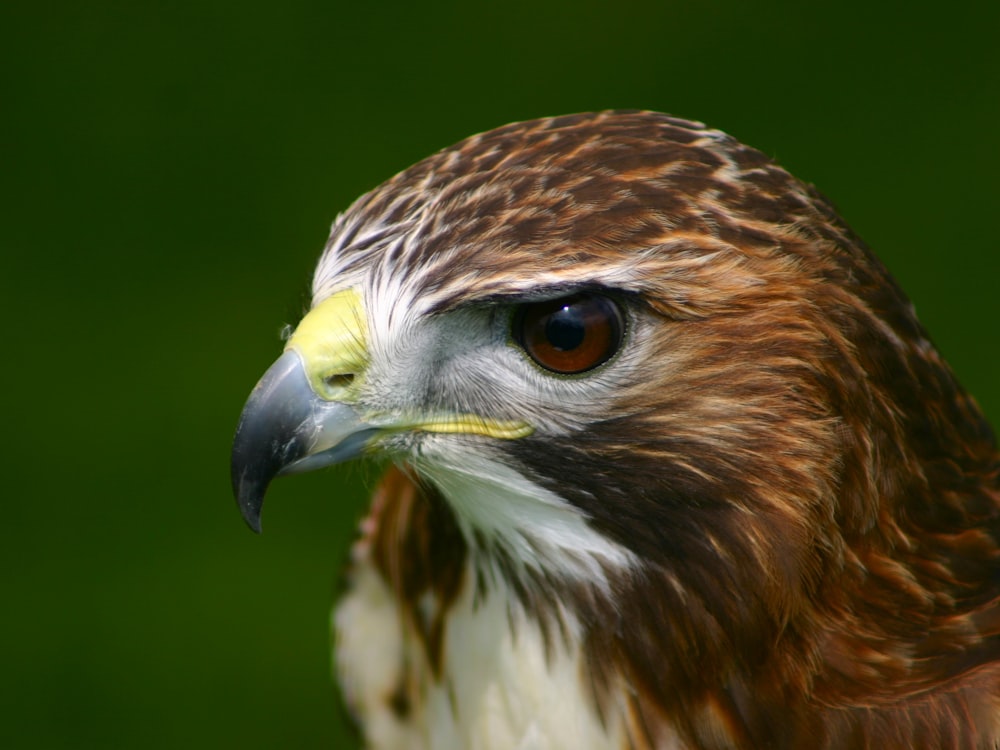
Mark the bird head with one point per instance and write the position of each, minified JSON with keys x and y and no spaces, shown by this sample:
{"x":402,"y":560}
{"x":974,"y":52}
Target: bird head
{"x":619,"y":343}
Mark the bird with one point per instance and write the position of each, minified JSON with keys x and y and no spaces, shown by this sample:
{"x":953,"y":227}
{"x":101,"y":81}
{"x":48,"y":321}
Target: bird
{"x":669,"y":461}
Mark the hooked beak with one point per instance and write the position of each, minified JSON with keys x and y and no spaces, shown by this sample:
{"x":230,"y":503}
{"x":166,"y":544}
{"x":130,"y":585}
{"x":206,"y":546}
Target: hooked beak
{"x":301,"y":415}
{"x":286,"y":428}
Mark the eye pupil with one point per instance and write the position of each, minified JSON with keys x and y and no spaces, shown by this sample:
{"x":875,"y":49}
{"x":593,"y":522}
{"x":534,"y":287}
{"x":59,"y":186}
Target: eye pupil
{"x":565,"y":330}
{"x":570,"y":335}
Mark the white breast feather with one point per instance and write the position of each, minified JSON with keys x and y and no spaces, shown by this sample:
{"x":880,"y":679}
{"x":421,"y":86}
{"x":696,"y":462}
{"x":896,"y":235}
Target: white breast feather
{"x":499,"y":691}
{"x":502,"y":689}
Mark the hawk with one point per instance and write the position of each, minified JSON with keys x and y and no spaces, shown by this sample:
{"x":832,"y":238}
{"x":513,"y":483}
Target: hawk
{"x":672,"y":463}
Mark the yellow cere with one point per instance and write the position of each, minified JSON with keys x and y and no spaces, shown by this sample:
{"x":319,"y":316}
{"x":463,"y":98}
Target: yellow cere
{"x":332,"y":340}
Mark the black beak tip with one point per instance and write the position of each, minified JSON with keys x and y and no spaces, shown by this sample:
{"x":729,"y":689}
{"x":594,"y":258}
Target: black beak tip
{"x":250,"y":509}
{"x":250,"y":499}
{"x":252,"y":519}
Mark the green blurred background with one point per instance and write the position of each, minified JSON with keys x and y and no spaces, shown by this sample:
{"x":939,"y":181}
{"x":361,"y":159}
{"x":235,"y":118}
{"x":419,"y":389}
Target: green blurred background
{"x":169,"y":173}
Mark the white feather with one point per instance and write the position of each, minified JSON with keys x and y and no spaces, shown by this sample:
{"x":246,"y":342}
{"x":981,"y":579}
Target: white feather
{"x":543,"y":531}
{"x":503,"y":687}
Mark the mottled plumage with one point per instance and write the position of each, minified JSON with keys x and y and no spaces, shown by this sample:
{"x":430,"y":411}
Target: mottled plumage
{"x":769,"y":520}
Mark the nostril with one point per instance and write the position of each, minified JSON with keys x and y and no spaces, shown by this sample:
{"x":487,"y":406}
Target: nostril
{"x":340,"y":380}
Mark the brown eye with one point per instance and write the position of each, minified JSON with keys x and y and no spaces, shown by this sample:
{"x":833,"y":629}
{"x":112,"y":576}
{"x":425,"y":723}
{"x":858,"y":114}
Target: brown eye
{"x":572,"y":334}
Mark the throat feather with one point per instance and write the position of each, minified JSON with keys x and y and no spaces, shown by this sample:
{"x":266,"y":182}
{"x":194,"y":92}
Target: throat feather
{"x":522,"y":528}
